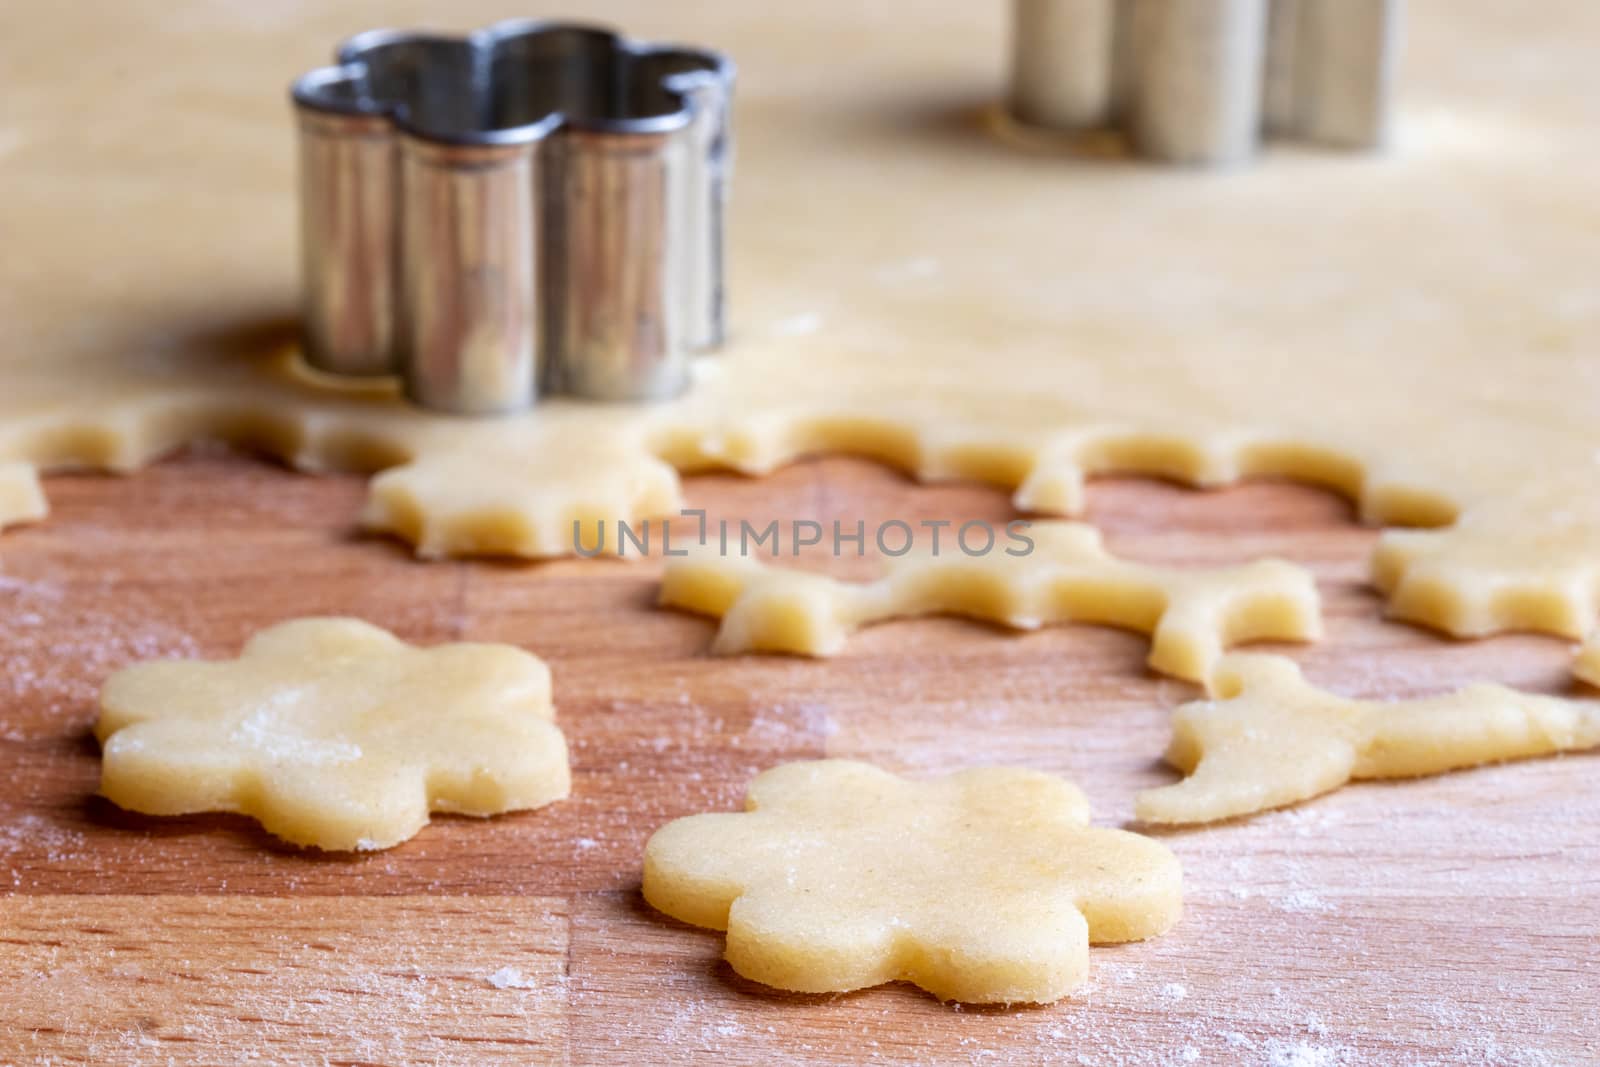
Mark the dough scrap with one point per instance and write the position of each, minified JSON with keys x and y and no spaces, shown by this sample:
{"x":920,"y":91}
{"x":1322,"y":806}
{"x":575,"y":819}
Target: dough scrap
{"x":1273,"y":739}
{"x":21,"y":495}
{"x":1587,"y":666}
{"x":1415,"y":330}
{"x":985,"y":886}
{"x":335,"y":734}
{"x":1494,"y":571}
{"x":1190,"y":614}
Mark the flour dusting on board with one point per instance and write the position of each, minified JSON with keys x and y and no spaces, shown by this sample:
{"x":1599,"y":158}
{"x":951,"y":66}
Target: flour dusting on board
{"x":511,"y":978}
{"x":57,"y":652}
{"x":1302,"y":900}
{"x":1277,"y":945}
{"x":29,"y":843}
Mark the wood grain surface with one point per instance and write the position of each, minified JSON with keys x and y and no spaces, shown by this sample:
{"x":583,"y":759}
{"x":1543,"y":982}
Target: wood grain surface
{"x":1446,"y":920}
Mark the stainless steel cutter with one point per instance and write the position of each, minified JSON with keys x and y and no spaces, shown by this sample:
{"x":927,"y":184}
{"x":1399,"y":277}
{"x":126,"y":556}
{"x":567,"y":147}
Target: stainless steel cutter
{"x":534,"y":207}
{"x":1200,"y":82}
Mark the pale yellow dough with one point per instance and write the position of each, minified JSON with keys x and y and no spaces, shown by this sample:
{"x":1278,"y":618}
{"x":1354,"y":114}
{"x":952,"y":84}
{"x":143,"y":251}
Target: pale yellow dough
{"x":21,"y":495}
{"x":1587,"y":666}
{"x":334,"y":734}
{"x":1417,"y":330}
{"x":1068,"y":576}
{"x":1274,"y":739}
{"x":986,"y":886}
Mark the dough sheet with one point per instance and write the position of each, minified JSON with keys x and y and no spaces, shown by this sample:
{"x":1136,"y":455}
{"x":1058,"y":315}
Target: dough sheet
{"x":1418,"y":331}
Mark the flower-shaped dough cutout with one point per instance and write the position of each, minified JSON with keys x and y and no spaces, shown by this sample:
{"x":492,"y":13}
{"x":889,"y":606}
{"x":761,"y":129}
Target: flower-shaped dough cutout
{"x":985,"y":886}
{"x":1274,"y":739}
{"x":548,"y":501}
{"x":334,"y":733}
{"x":1068,"y":576}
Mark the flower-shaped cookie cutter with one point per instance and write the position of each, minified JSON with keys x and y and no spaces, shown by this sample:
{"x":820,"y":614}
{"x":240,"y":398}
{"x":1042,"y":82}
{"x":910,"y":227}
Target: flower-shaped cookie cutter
{"x":533,"y":207}
{"x":1202,"y":82}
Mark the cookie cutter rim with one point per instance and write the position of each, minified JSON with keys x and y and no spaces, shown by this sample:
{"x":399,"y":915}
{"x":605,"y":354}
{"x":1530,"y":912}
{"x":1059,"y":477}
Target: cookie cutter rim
{"x":351,"y":64}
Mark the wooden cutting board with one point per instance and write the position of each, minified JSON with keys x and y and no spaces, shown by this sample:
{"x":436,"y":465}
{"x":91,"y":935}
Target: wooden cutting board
{"x":1447,"y":920}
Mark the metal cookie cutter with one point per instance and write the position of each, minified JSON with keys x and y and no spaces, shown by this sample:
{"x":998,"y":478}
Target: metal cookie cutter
{"x":1200,"y":81}
{"x":536,"y":206}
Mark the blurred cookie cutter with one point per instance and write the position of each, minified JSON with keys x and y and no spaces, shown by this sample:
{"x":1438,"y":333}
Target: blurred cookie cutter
{"x":534,"y":207}
{"x":1200,"y":82}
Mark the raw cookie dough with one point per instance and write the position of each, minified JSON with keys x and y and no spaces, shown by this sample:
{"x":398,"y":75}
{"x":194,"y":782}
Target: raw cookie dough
{"x":1068,"y":576}
{"x":334,"y":734}
{"x":1273,"y":739}
{"x":21,"y":495}
{"x":1587,"y":666}
{"x":1416,"y":330}
{"x":985,"y":886}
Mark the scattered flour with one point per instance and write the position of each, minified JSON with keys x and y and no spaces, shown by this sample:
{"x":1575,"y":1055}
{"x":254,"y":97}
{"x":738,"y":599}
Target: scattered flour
{"x":30,"y":844}
{"x":23,"y":587}
{"x":1302,"y":901}
{"x":1282,"y":1053}
{"x":58,"y":653}
{"x":34,"y":833}
{"x":511,"y":978}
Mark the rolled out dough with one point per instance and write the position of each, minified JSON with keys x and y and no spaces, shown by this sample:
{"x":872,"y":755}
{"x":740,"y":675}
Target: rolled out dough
{"x":1068,"y":576}
{"x":985,"y":886}
{"x":1587,"y":666}
{"x":334,"y":734}
{"x":1418,"y":331}
{"x":1272,"y":738}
